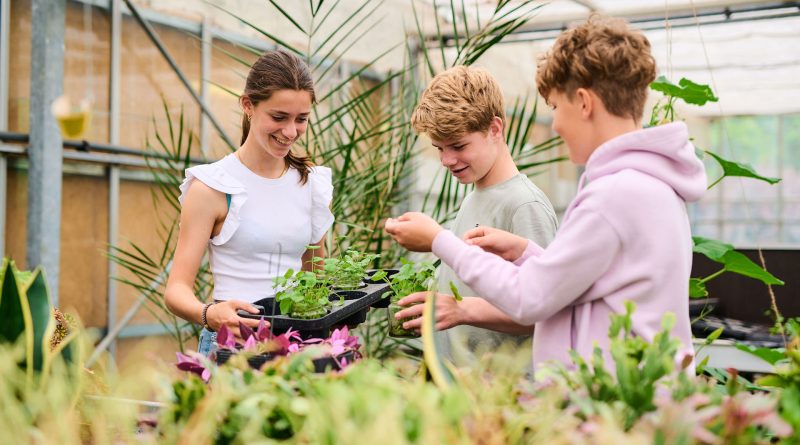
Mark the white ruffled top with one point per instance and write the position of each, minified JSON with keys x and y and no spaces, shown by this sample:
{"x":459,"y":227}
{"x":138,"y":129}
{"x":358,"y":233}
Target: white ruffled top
{"x":269,"y":224}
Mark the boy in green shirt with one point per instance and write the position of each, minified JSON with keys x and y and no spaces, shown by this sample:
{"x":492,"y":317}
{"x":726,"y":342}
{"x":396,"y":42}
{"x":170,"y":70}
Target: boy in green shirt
{"x":463,"y":112}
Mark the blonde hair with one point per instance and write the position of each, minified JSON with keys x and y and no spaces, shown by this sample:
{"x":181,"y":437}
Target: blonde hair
{"x":458,"y":101}
{"x":605,"y":55}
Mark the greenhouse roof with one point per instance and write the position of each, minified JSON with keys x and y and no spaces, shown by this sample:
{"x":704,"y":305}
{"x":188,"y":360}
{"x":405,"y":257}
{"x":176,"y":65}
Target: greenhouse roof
{"x":746,"y":50}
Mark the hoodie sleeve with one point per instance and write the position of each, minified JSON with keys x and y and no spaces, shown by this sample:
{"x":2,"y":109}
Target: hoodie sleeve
{"x":546,"y":281}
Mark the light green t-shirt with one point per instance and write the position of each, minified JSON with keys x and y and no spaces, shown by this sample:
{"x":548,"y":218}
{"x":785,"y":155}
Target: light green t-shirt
{"x":516,"y":206}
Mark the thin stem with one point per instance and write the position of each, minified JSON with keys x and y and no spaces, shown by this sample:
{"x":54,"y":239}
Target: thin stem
{"x":713,"y":275}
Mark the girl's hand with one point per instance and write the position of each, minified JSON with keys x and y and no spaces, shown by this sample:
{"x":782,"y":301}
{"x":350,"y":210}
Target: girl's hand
{"x":496,"y":241}
{"x":448,"y":311}
{"x":413,"y":230}
{"x":224,"y":313}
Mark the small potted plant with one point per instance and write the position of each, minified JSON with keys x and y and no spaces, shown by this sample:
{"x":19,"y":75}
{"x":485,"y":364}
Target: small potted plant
{"x":348,"y":271}
{"x":409,"y":278}
{"x":303,"y":294}
{"x":261,"y":346}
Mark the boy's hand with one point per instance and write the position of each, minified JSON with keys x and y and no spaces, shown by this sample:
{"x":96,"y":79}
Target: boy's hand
{"x":413,"y":230}
{"x":449,"y":313}
{"x":499,"y":242}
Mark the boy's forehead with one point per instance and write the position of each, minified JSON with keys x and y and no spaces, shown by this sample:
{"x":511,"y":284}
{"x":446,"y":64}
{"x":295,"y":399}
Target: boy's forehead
{"x":450,"y":140}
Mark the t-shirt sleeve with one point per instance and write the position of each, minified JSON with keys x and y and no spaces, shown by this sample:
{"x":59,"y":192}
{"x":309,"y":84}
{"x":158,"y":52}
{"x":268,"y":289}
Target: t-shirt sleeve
{"x":534,"y":221}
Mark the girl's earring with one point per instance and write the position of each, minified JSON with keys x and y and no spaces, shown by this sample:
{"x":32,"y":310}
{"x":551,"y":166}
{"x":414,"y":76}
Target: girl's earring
{"x":248,"y":118}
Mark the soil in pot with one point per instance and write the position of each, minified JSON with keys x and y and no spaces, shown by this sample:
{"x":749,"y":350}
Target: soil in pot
{"x":396,"y":328}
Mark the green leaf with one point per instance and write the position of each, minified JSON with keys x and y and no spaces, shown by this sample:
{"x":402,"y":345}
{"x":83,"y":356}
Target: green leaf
{"x":733,"y":261}
{"x":455,"y":292}
{"x":697,"y":289}
{"x":41,"y":315}
{"x":713,"y":249}
{"x":738,"y":263}
{"x":690,"y":92}
{"x":714,"y":335}
{"x":769,"y":355}
{"x":730,"y":168}
{"x":13,"y":312}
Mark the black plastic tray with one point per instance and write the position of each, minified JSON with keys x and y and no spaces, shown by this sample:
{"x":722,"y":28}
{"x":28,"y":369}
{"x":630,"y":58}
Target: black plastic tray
{"x":321,"y":364}
{"x":352,"y":311}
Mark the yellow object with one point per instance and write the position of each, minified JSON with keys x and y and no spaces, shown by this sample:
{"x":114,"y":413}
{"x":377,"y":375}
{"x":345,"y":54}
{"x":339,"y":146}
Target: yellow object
{"x":440,"y":371}
{"x":72,"y":120}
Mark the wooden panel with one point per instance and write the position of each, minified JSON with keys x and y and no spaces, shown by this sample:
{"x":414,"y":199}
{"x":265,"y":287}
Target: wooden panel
{"x":132,"y":352}
{"x":19,"y":66}
{"x":84,"y":236}
{"x":138,"y":224}
{"x":231,"y":74}
{"x":87,"y":54}
{"x":147,"y":78}
{"x":17,"y":216}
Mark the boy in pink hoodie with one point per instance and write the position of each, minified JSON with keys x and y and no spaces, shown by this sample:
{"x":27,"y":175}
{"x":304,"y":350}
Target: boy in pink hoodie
{"x":626,"y":234}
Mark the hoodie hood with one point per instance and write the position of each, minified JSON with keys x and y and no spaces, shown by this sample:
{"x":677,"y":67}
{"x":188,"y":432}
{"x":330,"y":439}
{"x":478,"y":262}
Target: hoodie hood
{"x":663,"y":152}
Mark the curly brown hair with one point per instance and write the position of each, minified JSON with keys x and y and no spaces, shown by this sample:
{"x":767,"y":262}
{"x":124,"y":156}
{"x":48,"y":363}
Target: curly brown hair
{"x":460,"y":100}
{"x":605,"y":55}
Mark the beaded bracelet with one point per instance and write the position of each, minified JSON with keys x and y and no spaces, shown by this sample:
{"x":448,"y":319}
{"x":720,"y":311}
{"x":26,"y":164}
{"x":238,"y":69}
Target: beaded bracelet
{"x":203,"y":318}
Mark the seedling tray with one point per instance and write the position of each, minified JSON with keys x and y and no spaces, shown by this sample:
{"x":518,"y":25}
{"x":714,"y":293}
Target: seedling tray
{"x":321,"y":364}
{"x":352,"y":311}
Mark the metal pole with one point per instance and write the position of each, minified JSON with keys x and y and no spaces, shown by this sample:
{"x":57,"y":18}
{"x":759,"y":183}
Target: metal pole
{"x":114,"y":72}
{"x":3,"y":183}
{"x":5,"y":11}
{"x":113,"y":228}
{"x":45,"y":153}
{"x":113,"y":171}
{"x":205,"y":77}
{"x":156,"y":41}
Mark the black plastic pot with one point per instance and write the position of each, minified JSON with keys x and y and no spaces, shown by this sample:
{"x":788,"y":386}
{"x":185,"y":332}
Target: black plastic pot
{"x":351,"y":311}
{"x":321,"y":364}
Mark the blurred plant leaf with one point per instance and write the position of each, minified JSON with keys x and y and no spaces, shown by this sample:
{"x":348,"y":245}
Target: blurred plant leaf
{"x":688,"y":91}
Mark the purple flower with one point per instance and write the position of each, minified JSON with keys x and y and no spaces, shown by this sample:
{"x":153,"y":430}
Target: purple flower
{"x":193,"y":363}
{"x":225,"y":338}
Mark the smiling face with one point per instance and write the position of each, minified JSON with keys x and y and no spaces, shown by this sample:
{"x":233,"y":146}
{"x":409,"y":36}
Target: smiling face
{"x":471,"y":157}
{"x":276,"y":123}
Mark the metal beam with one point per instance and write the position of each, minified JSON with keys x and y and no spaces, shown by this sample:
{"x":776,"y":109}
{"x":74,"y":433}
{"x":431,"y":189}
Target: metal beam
{"x":45,"y":154}
{"x":113,"y":228}
{"x":114,"y":72}
{"x":5,"y":12}
{"x":652,"y":17}
{"x":3,"y":188}
{"x":205,"y":77}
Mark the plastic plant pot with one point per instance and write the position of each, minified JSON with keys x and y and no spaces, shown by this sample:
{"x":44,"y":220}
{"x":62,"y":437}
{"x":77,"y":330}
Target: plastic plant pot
{"x":396,"y":328}
{"x":321,"y":364}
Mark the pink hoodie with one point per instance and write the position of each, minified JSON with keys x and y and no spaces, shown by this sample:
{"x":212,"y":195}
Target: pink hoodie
{"x":625,"y":237}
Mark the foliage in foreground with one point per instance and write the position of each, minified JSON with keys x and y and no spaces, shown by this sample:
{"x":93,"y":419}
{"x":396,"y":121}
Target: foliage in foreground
{"x":645,"y":398}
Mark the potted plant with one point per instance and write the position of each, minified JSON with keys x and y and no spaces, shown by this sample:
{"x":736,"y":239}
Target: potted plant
{"x":409,"y":278}
{"x":260,"y":346}
{"x":303,"y":294}
{"x":348,"y":271}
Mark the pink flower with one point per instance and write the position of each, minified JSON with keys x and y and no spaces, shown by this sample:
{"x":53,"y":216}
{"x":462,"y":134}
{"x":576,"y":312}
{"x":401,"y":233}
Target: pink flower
{"x":225,"y":338}
{"x":193,"y":363}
